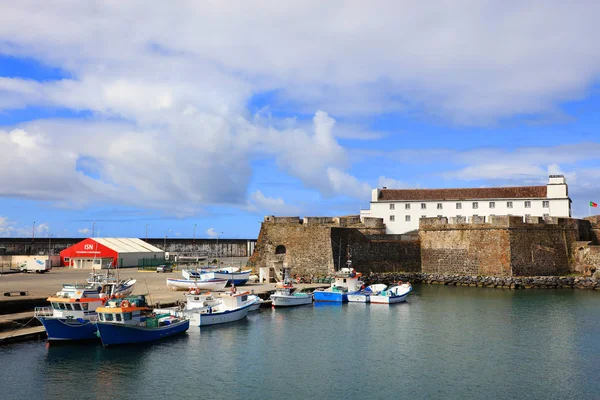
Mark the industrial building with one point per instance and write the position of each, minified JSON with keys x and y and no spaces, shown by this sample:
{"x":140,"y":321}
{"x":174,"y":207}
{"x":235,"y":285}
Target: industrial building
{"x":104,"y":252}
{"x":401,"y":209}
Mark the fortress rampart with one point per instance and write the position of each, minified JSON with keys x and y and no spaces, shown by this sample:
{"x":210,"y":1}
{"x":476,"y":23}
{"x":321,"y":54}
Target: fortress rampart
{"x":501,"y":245}
{"x":321,"y":245}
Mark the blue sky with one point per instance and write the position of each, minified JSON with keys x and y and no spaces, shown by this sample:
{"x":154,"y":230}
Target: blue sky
{"x":184,"y":117}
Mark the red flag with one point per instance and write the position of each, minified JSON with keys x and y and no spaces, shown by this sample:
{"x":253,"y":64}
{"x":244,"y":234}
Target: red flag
{"x":592,"y":204}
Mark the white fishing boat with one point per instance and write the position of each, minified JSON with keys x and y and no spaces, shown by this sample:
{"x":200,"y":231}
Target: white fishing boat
{"x":395,"y":294}
{"x":257,"y":302}
{"x":110,"y":285}
{"x":286,"y":296}
{"x":187,"y":284}
{"x":233,"y":274}
{"x":211,"y":309}
{"x":346,"y":281}
{"x":364,"y":295}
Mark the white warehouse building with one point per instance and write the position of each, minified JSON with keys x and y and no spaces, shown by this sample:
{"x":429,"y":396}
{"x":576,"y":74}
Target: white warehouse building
{"x":401,"y":209}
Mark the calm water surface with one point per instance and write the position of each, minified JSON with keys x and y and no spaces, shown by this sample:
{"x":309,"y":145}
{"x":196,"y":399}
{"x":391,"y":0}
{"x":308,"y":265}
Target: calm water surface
{"x":445,"y":342}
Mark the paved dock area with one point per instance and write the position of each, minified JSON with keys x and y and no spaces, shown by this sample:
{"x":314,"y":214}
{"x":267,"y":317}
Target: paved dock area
{"x":151,"y":283}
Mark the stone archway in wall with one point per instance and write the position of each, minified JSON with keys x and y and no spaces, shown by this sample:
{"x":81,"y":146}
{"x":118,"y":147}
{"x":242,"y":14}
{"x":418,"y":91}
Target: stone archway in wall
{"x":280,"y":249}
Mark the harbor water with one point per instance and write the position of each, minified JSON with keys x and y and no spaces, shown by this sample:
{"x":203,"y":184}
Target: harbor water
{"x":444,"y":342}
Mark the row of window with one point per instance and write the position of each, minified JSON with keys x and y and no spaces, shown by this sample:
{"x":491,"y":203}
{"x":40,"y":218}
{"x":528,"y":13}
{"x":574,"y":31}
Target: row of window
{"x":407,"y":217}
{"x":69,"y":306}
{"x":114,"y":317}
{"x":475,"y":205}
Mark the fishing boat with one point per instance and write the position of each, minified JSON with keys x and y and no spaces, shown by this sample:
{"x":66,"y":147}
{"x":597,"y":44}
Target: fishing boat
{"x":395,"y":294}
{"x":233,"y":275}
{"x":203,"y":309}
{"x":257,"y":302}
{"x":346,"y":281}
{"x":70,"y":314}
{"x":131,"y":321}
{"x":187,"y":284}
{"x":111,"y":285}
{"x":364,"y":295}
{"x":286,"y":296}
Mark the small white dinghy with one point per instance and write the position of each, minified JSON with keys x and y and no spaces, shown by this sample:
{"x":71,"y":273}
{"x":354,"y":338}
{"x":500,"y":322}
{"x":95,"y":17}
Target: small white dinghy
{"x":364,"y":296}
{"x":395,"y":294}
{"x":187,"y":284}
{"x":257,"y":302}
{"x":285,"y":296}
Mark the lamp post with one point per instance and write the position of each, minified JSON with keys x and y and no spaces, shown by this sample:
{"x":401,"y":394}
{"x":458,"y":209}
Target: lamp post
{"x":165,"y":242}
{"x":147,"y":232}
{"x":93,"y":228}
{"x":33,"y":232}
{"x":194,"y":234}
{"x":218,"y":234}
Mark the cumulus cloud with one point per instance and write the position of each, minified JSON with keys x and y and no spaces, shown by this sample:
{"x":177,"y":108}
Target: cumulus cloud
{"x":168,"y":99}
{"x":271,"y":205}
{"x":212,"y":232}
{"x":84,"y":231}
{"x":391,"y":183}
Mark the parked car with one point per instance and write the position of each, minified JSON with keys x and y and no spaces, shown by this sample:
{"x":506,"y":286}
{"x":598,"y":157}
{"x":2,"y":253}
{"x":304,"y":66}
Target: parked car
{"x":164,"y":268}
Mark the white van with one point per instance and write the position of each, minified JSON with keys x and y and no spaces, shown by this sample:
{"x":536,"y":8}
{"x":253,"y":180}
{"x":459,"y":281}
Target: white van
{"x":35,"y":265}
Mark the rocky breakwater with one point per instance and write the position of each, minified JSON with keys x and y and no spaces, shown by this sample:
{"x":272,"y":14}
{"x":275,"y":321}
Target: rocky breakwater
{"x":502,"y":282}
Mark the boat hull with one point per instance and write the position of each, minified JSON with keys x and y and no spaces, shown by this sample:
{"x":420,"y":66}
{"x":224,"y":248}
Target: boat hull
{"x":335,"y":297}
{"x":290,"y":301}
{"x":388,"y":299}
{"x":186,"y":284}
{"x":66,"y":329}
{"x":358,"y":298}
{"x":118,"y":334}
{"x":238,"y":278}
{"x":206,"y":319}
{"x":396,"y":294}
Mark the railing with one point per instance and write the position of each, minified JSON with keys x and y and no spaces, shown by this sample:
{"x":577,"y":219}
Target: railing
{"x":43,"y":312}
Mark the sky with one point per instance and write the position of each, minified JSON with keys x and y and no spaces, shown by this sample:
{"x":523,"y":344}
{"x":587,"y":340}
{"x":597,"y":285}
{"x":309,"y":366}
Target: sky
{"x":186,"y":118}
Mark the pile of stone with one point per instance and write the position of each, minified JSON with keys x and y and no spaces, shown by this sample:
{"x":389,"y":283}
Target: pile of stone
{"x":503,"y":282}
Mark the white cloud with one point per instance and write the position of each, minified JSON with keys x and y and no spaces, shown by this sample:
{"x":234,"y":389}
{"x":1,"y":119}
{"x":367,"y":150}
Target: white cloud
{"x":391,"y":183}
{"x":180,"y":85}
{"x":212,"y":232}
{"x":270,"y":205}
{"x":42,"y":228}
{"x":84,"y":231}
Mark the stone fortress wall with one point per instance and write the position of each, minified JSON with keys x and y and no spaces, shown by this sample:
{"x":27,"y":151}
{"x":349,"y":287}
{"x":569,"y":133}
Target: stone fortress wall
{"x":505,"y":245}
{"x":320,"y":245}
{"x":484,"y":246}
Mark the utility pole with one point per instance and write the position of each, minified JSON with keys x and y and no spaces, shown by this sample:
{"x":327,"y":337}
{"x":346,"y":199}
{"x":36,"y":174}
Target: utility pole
{"x":147,"y":232}
{"x":33,"y":232}
{"x":93,"y":228}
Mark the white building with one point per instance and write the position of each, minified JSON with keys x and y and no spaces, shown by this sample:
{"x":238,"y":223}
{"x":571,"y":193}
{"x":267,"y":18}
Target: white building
{"x":401,"y":209}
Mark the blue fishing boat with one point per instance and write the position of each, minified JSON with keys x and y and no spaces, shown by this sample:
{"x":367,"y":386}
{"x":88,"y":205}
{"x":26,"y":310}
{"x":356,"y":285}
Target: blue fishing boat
{"x":131,"y":321}
{"x":70,"y":314}
{"x":346,"y":281}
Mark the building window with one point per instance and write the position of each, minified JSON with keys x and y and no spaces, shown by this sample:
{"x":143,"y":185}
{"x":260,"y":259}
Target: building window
{"x":392,"y":218}
{"x":407,"y":206}
{"x":459,"y":206}
{"x":475,"y":205}
{"x":67,"y":259}
{"x":546,"y":204}
{"x":546,"y":215}
{"x":439,"y":206}
{"x":392,"y":206}
{"x":509,"y":204}
{"x":423,"y":216}
{"x":423,"y":206}
{"x":280,"y":249}
{"x":527,"y":204}
{"x":407,"y":218}
{"x":440,"y":216}
{"x":492,"y":204}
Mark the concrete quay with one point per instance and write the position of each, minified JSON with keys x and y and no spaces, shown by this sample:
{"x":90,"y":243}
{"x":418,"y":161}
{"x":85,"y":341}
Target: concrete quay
{"x":16,"y":311}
